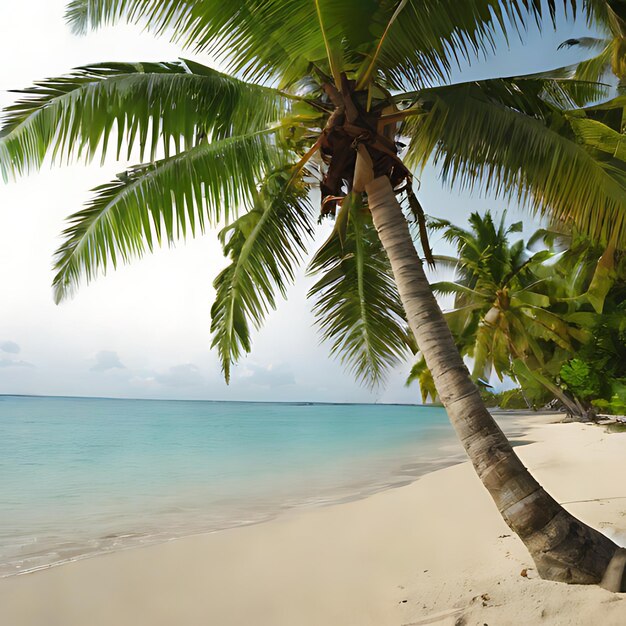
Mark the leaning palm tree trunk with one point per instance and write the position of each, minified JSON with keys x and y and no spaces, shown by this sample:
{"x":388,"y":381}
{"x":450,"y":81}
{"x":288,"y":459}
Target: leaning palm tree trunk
{"x":563,"y":548}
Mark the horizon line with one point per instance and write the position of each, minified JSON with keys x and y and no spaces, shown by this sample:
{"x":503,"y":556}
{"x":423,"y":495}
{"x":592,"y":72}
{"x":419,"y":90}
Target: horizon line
{"x":301,"y":402}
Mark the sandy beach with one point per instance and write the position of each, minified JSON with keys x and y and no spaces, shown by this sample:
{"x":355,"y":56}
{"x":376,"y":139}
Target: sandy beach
{"x":433,"y":552}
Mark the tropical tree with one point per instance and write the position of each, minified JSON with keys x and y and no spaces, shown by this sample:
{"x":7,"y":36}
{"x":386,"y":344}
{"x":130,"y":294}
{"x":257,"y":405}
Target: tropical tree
{"x":596,"y":374}
{"x":502,"y":307}
{"x":550,"y":320}
{"x":323,"y":94}
{"x":585,"y":283}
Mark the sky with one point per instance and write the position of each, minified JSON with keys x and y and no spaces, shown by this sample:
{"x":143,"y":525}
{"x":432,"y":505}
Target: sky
{"x":143,"y":330}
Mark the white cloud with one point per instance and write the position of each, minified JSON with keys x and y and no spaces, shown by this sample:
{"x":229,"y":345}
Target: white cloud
{"x":185,"y":375}
{"x":271,"y":376}
{"x":11,"y":363}
{"x":9,"y":346}
{"x":107,"y":360}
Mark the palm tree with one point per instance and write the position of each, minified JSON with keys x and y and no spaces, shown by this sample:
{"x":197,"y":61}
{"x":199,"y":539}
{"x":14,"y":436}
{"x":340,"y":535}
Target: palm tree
{"x":323,"y":94}
{"x":502,"y":297}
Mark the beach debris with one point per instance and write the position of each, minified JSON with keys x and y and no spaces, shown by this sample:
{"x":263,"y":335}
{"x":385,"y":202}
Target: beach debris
{"x":524,"y":573}
{"x":483,"y":598}
{"x":503,"y":536}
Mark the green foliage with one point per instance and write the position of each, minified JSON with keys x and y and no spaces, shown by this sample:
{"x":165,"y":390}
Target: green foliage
{"x":265,"y":246}
{"x":357,"y":306}
{"x":166,"y":199}
{"x":527,"y":315}
{"x":171,"y":106}
{"x":611,"y":54}
{"x":421,"y":374}
{"x":481,"y":133}
{"x":410,"y":41}
{"x":581,"y":379}
{"x":510,"y":399}
{"x":501,"y":306}
{"x":598,"y":373}
{"x":615,"y":404}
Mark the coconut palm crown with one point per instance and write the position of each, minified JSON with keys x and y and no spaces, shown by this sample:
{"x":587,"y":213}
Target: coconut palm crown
{"x":349,"y":98}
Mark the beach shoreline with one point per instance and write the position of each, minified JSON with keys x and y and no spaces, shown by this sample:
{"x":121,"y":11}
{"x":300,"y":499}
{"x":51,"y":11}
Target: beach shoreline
{"x":408,"y":465}
{"x":83,"y":477}
{"x":433,"y":551}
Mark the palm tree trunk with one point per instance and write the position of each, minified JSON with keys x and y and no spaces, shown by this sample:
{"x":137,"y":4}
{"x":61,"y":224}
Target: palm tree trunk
{"x":563,"y":548}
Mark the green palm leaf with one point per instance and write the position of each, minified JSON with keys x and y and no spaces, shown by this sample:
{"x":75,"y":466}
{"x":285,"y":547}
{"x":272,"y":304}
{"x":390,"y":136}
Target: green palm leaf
{"x":597,"y":67}
{"x":165,"y":199}
{"x":265,"y":246}
{"x":149,"y":105}
{"x":357,"y":306}
{"x":421,"y":374}
{"x":260,"y":39}
{"x":610,"y":19}
{"x":407,"y":41}
{"x":414,"y":51}
{"x":445,"y":288}
{"x":515,"y":148}
{"x":600,"y":136}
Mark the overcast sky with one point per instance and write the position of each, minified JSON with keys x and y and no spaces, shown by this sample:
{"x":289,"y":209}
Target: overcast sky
{"x":143,"y":331}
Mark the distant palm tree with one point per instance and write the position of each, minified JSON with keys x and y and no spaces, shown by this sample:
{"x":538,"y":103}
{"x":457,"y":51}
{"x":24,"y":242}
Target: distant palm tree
{"x":501,"y":312}
{"x":342,"y":96}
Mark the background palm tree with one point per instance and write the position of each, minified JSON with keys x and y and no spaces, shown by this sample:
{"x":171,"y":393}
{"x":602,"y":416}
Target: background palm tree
{"x":324,"y":94}
{"x":550,"y":320}
{"x":587,"y":284}
{"x":502,"y":306}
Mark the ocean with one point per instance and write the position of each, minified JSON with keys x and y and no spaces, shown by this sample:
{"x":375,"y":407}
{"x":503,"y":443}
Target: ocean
{"x":82,"y":476}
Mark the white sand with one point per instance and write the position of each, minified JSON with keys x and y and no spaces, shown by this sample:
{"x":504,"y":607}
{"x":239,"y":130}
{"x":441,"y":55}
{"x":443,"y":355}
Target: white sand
{"x":434,"y":552}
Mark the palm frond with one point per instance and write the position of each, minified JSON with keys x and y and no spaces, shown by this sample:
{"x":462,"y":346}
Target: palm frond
{"x":597,"y":67}
{"x":445,"y":288}
{"x":443,"y":261}
{"x":162,"y":200}
{"x":422,"y":375}
{"x":407,"y":42}
{"x":483,"y":137}
{"x":420,"y":45}
{"x":589,"y":43}
{"x":609,"y":19}
{"x":599,"y":136}
{"x":145,"y":105}
{"x":265,"y":246}
{"x":357,"y":306}
{"x":263,"y":40}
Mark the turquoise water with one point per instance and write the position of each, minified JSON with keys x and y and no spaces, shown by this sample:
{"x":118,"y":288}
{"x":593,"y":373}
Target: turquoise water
{"x":83,"y":476}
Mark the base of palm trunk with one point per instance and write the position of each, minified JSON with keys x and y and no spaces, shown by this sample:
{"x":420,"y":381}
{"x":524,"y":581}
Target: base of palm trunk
{"x":564,"y":549}
{"x":567,"y":550}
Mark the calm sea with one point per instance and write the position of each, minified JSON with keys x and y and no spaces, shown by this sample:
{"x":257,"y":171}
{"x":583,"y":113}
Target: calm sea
{"x":82,"y":476}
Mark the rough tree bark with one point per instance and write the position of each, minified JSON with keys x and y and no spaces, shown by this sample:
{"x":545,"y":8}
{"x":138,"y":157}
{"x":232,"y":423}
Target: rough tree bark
{"x":563,"y":548}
